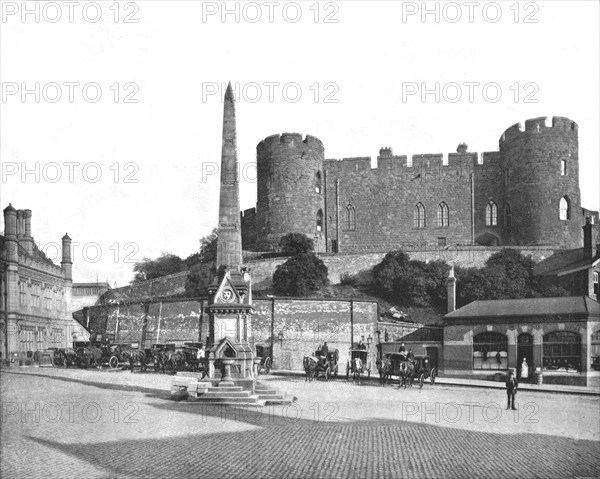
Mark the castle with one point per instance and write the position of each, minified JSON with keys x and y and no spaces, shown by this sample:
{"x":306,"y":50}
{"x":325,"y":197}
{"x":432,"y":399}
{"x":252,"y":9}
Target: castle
{"x":527,"y":193}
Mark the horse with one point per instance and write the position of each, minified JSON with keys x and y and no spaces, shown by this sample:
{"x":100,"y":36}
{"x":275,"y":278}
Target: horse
{"x":385,"y":370}
{"x":407,"y":372}
{"x":357,"y":369}
{"x":137,"y":356}
{"x":310,"y":367}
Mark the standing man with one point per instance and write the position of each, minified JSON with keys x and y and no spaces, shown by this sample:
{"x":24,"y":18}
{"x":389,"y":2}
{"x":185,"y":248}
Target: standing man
{"x":511,"y":389}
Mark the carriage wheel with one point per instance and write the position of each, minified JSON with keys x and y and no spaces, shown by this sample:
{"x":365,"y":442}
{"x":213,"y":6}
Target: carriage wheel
{"x":268,"y":365}
{"x":113,"y":362}
{"x":432,"y":377}
{"x":421,"y":380}
{"x":327,"y":373}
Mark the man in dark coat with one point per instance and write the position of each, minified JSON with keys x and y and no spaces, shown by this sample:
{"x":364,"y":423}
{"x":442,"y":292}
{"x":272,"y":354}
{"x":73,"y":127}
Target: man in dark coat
{"x":511,"y":389}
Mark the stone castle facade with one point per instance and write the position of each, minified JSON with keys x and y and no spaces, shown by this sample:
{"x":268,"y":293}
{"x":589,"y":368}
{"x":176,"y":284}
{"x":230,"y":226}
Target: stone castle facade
{"x":525,"y":194}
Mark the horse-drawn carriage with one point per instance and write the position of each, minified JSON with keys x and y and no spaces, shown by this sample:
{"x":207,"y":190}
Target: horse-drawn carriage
{"x":172,"y":358}
{"x":65,"y":357}
{"x":358,"y":363}
{"x":408,"y":370}
{"x":326,"y":365}
{"x":264,"y":353}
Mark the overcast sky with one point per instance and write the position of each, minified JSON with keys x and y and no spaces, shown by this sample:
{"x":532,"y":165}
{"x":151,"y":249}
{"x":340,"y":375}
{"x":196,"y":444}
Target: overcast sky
{"x":115,"y":109}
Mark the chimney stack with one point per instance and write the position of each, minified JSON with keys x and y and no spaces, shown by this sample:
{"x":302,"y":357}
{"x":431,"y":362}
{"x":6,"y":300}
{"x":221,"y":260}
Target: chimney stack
{"x":67,"y":261}
{"x":451,"y":284}
{"x":28,"y":240}
{"x":10,"y":234}
{"x":588,"y":251}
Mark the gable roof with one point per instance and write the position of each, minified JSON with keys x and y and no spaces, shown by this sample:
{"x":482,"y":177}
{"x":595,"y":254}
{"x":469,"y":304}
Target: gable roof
{"x":571,"y":305}
{"x":564,"y":261}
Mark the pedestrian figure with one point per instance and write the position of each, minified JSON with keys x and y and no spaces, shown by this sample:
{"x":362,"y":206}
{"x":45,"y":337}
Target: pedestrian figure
{"x":410,"y":356}
{"x":511,"y":390}
{"x":524,"y":369}
{"x":402,"y":348}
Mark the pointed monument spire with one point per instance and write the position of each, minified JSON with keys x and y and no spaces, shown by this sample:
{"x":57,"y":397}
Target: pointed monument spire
{"x":229,"y":243}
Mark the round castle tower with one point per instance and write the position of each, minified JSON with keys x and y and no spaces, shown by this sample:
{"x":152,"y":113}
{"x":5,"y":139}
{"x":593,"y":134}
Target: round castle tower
{"x":542,"y":184}
{"x":290,"y":189}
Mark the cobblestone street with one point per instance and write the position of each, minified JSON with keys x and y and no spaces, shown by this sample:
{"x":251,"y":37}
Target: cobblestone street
{"x":88,"y":423}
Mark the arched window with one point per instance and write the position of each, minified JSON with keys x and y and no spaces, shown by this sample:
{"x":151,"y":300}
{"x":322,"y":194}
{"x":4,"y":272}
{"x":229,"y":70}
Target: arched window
{"x":563,"y":167}
{"x":490,"y":351}
{"x":507,"y":215}
{"x":564,"y":208}
{"x":318,"y":183}
{"x":491,"y":214}
{"x":419,"y":216}
{"x":320,"y":220}
{"x":443,"y":219}
{"x":350,"y":217}
{"x":562,"y":351}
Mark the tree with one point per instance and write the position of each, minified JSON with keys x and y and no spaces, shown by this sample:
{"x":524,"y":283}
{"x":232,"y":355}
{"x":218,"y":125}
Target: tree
{"x":202,"y":266}
{"x":293,"y":244}
{"x":300,"y":275}
{"x":506,"y":274}
{"x":410,"y":282}
{"x":166,"y":264}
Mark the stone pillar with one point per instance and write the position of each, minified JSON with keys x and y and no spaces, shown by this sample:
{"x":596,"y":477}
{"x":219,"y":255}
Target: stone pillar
{"x":538,"y":336}
{"x":512,"y":348}
{"x":451,"y":285}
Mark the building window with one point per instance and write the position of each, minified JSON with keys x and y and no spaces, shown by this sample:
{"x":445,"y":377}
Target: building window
{"x":318,"y":183}
{"x":595,"y":350}
{"x":564,"y":208}
{"x":443,"y":216}
{"x":490,"y":351}
{"x":491,"y":214}
{"x":22,"y":293}
{"x":320,"y":220}
{"x":419,"y":216}
{"x":563,"y":167}
{"x":507,"y":215}
{"x":596,"y":283}
{"x":507,"y":178}
{"x":350,"y":217}
{"x":562,"y":351}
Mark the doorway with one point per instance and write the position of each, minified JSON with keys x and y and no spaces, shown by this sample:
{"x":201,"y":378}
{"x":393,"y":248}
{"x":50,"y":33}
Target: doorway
{"x":525,"y":351}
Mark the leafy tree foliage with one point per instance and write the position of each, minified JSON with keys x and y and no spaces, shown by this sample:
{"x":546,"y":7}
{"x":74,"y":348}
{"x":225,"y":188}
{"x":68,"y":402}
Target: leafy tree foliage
{"x":166,"y":264}
{"x":300,"y":275}
{"x":410,"y":282}
{"x":202,"y":266}
{"x":293,"y":244}
{"x":507,"y":274}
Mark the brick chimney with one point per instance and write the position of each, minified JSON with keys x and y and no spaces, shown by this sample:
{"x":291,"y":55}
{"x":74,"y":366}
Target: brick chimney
{"x":588,"y":251}
{"x":451,"y":284}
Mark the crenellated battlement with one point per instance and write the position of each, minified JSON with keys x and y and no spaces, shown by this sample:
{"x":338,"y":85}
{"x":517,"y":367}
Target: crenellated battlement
{"x":291,"y":140}
{"x":559,"y":124}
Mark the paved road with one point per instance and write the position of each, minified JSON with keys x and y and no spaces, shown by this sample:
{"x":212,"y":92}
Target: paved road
{"x":58,"y":423}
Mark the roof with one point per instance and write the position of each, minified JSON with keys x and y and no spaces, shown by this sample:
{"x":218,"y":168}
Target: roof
{"x":580,"y":305}
{"x":561,"y":261}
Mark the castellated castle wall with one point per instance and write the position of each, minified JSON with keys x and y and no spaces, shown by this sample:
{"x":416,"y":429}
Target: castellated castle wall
{"x":500,"y":198}
{"x":383,"y":201}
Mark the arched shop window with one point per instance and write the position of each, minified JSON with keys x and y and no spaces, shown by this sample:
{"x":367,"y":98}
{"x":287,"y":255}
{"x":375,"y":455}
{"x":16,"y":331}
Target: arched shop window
{"x":562,"y":351}
{"x":490,"y":351}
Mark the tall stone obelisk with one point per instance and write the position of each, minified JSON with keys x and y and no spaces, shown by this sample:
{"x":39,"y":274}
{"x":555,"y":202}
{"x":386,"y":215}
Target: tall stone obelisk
{"x":229,"y":243}
{"x":230,"y":303}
